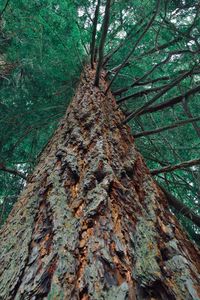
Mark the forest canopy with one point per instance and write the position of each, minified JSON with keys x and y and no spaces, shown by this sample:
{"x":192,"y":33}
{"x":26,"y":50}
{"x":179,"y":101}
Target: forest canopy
{"x":151,"y":56}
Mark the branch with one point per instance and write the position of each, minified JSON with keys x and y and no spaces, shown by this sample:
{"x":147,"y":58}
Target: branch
{"x":120,"y":91}
{"x":138,"y":80}
{"x":181,"y":123}
{"x":156,"y":97}
{"x":102,"y":41}
{"x":162,"y":47}
{"x":189,"y":114}
{"x":94,"y":31}
{"x":187,"y":34}
{"x":172,"y":101}
{"x":122,"y":43}
{"x":180,"y":207}
{"x":3,"y":10}
{"x":141,"y":93}
{"x":164,"y":61}
{"x":115,"y":69}
{"x":176,"y":167}
{"x":136,"y":44}
{"x":11,"y":171}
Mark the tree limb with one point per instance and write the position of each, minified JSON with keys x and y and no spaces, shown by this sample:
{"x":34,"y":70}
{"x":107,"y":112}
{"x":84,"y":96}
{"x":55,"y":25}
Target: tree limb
{"x":122,"y":43}
{"x":162,"y":46}
{"x":156,"y":97}
{"x":182,"y":165}
{"x":94,"y":31}
{"x":115,"y":69}
{"x":189,"y":114}
{"x":172,"y":101}
{"x":136,"y":44}
{"x":180,"y":207}
{"x":138,"y":80}
{"x":141,"y":93}
{"x":11,"y":171}
{"x":5,"y":6}
{"x":164,"y":61}
{"x":181,"y":123}
{"x":120,"y":91}
{"x":102,"y":41}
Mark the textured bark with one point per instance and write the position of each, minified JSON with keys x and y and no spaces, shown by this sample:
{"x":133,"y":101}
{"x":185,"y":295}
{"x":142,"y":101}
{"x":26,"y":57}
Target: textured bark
{"x":92,"y":223}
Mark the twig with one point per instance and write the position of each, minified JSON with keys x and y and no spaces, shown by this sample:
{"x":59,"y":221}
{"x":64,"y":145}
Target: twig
{"x":181,"y":123}
{"x":182,"y":165}
{"x":102,"y":41}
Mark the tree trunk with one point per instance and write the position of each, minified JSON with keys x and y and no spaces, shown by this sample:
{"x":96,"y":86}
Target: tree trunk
{"x":92,"y":223}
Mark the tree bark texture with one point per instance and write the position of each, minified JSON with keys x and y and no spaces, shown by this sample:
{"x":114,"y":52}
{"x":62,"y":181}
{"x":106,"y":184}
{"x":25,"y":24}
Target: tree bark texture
{"x":92,"y":223}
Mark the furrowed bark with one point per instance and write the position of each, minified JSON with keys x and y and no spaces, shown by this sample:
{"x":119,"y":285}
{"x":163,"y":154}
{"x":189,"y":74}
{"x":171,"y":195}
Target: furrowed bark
{"x":92,"y":223}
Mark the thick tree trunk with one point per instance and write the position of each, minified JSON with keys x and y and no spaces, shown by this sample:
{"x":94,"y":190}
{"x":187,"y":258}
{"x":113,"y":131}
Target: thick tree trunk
{"x":92,"y":223}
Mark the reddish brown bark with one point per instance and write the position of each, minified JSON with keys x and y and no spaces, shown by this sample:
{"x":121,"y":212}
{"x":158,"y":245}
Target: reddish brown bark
{"x":92,"y":223}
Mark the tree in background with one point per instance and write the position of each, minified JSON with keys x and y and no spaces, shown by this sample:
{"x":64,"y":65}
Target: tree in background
{"x":91,"y":222}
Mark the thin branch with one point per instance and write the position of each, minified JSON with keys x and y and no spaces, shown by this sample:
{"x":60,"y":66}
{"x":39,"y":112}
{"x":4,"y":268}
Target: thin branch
{"x":94,"y":31}
{"x":172,"y":101}
{"x":181,"y":123}
{"x":156,"y":97}
{"x":82,"y":42}
{"x":162,"y":46}
{"x":115,"y":69}
{"x":189,"y":114}
{"x":138,"y":80}
{"x":182,"y":165}
{"x":11,"y":171}
{"x":180,"y":207}
{"x":162,"y":62}
{"x":5,"y":6}
{"x":102,"y":41}
{"x":149,"y":52}
{"x":120,"y":91}
{"x":122,"y":43}
{"x":141,"y":93}
{"x":135,"y":46}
